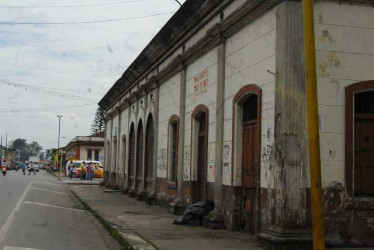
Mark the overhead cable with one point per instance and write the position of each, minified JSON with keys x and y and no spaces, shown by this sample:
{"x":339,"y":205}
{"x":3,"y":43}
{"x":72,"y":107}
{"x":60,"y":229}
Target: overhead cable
{"x":66,"y":6}
{"x":84,"y":22}
{"x":44,"y":109}
{"x":44,"y":91}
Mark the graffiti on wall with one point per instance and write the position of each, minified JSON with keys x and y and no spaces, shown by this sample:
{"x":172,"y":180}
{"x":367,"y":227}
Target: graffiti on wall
{"x":162,"y":155}
{"x":200,"y":84}
{"x":226,"y":164}
{"x":186,"y":168}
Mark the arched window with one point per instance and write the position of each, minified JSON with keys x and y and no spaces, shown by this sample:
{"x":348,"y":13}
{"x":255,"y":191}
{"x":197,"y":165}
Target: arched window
{"x":360,"y":139}
{"x":149,"y":154}
{"x":139,"y":151}
{"x":173,"y":148}
{"x":131,"y":151}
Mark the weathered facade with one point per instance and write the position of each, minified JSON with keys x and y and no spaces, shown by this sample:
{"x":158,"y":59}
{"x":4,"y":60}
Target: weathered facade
{"x":85,"y":148}
{"x":215,"y":108}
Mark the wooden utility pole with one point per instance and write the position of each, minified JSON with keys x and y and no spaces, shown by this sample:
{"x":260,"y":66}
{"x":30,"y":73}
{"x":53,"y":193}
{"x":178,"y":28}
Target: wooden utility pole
{"x":313,"y":128}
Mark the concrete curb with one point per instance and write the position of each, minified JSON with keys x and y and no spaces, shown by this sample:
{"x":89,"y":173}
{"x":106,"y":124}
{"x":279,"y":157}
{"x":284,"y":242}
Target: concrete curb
{"x":112,"y":231}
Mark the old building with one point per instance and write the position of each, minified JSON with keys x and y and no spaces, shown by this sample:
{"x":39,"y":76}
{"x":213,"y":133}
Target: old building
{"x":215,"y":108}
{"x":85,"y":148}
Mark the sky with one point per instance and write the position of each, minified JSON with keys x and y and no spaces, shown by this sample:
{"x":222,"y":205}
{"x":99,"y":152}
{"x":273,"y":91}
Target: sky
{"x":61,"y":57}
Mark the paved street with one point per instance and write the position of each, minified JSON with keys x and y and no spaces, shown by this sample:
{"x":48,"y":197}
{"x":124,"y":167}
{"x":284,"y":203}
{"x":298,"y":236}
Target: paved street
{"x":37,"y":212}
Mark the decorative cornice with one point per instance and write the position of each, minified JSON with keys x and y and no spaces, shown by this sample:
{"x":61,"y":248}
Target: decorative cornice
{"x":216,"y":35}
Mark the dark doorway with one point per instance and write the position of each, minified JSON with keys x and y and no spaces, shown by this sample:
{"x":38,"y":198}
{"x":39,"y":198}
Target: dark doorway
{"x":139,"y":155}
{"x":364,"y":144}
{"x":149,"y":154}
{"x":202,"y":158}
{"x":131,"y":169}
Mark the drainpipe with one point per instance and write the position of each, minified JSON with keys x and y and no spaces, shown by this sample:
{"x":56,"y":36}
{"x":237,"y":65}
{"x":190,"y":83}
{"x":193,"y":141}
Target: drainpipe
{"x":313,"y":128}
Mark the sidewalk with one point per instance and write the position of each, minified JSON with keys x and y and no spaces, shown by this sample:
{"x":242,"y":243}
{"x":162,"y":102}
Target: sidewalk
{"x":150,"y":227}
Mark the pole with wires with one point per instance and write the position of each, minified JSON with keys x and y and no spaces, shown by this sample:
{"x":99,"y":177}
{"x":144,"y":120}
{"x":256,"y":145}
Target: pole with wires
{"x":58,"y":147}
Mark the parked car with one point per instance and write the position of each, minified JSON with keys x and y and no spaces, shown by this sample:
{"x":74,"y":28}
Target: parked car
{"x":98,"y":169}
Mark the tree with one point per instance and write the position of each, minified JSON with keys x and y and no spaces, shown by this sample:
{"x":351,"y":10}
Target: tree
{"x":98,"y":124}
{"x":25,"y":149}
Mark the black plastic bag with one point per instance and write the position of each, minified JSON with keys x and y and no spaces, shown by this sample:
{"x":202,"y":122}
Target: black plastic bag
{"x":194,"y":214}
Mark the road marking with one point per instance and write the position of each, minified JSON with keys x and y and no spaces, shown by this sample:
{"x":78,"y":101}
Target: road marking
{"x":49,"y":205}
{"x":48,"y":183}
{"x":19,"y":248}
{"x":56,"y":192}
{"x":12,"y":215}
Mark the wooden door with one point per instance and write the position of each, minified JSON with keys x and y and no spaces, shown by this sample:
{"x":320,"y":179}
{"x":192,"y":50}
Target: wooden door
{"x":364,"y":155}
{"x":250,"y":159}
{"x":201,"y":169}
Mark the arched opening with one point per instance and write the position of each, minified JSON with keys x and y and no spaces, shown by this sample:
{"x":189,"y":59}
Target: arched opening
{"x":173,"y":150}
{"x":149,"y":153}
{"x":139,"y":154}
{"x":246,"y":154}
{"x":200,"y":152}
{"x":131,"y":163}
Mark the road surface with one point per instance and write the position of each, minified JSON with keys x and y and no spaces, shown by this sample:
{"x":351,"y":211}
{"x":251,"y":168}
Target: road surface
{"x":37,"y":212}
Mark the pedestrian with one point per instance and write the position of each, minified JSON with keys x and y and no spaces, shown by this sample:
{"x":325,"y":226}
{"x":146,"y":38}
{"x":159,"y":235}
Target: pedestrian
{"x":70,"y":169}
{"x":16,"y":167}
{"x":82,"y":167}
{"x":23,"y":166}
{"x":92,"y":171}
{"x":88,"y":174}
{"x":31,"y":168}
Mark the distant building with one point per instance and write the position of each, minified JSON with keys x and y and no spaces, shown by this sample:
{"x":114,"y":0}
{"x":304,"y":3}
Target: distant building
{"x":214,"y":108}
{"x":85,"y":148}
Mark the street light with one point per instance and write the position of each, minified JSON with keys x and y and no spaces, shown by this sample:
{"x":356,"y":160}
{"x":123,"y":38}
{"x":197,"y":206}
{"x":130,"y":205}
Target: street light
{"x":66,"y":138}
{"x":58,"y":145}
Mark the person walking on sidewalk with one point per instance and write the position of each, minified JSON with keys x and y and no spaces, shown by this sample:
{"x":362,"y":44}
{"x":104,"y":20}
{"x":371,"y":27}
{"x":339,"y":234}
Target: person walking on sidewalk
{"x":31,"y":168}
{"x":70,"y":169}
{"x":82,"y":171}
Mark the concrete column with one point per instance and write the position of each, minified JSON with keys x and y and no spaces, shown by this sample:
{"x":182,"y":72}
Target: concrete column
{"x":290,"y":150}
{"x":105,"y":152}
{"x":214,"y":220}
{"x":118,"y":155}
{"x":127,"y":188}
{"x":134,"y":190}
{"x":141,"y":195}
{"x":152,"y":197}
{"x":177,"y":206}
{"x":110,"y":152}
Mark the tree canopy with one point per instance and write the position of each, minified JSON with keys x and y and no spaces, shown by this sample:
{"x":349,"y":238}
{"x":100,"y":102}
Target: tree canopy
{"x":98,"y":125}
{"x":25,"y":149}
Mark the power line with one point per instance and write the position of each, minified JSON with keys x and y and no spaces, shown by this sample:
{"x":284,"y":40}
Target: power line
{"x":43,"y":90}
{"x":43,"y":109}
{"x":85,"y":22}
{"x":62,"y":72}
{"x":66,"y":6}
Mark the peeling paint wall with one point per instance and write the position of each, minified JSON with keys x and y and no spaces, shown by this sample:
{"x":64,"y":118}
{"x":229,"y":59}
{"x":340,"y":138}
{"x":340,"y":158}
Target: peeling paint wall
{"x":250,"y":59}
{"x":201,"y":88}
{"x":345,"y":55}
{"x":169,"y":105}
